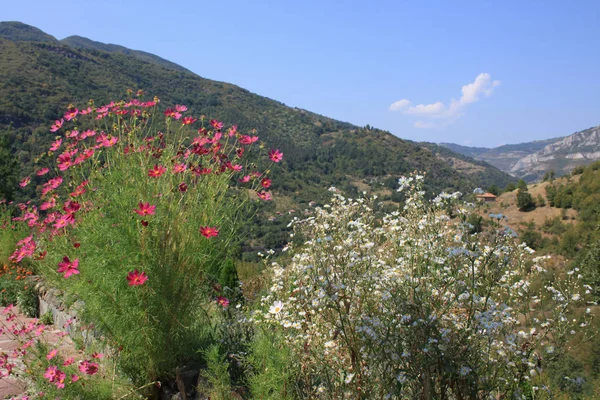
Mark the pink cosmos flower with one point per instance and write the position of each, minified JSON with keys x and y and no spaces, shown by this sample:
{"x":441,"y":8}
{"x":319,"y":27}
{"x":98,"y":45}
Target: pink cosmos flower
{"x":245,"y":139}
{"x":25,"y":182}
{"x":209,"y":232}
{"x":178,"y":168}
{"x":50,"y":373}
{"x":145,"y":209}
{"x":233,"y":130}
{"x":71,"y":206}
{"x":42,"y":171}
{"x":48,"y":204}
{"x":157,"y":171}
{"x":222,"y":301}
{"x":69,"y":361}
{"x":180,"y":108}
{"x":87,"y":134}
{"x":137,"y":278}
{"x":169,"y":112}
{"x":72,"y":113}
{"x":74,"y":378}
{"x":275,"y":155}
{"x":57,"y":125}
{"x":245,"y":179}
{"x":87,"y":367}
{"x":266,"y":183}
{"x":64,"y":161}
{"x":72,"y":134}
{"x":216,"y":124}
{"x":79,"y":190}
{"x":60,"y":379}
{"x":264,"y":195}
{"x":51,"y":354}
{"x":56,"y":145}
{"x":64,"y":221}
{"x":68,"y":267}
{"x":188,"y":120}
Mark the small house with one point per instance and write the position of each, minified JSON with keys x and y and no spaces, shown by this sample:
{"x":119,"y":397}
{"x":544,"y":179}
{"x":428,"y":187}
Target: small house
{"x":486,"y":197}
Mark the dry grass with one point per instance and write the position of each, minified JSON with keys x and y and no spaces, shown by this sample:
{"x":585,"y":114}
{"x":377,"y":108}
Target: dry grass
{"x":518,"y":218}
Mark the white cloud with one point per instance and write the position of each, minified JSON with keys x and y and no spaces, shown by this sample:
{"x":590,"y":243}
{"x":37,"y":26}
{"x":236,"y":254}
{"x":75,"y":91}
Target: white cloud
{"x":399,"y":105}
{"x":483,"y":85}
{"x":426,"y":109}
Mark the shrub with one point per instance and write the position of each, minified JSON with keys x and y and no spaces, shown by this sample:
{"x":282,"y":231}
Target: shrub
{"x":139,"y":221}
{"x":525,"y":201}
{"x":413,"y":306}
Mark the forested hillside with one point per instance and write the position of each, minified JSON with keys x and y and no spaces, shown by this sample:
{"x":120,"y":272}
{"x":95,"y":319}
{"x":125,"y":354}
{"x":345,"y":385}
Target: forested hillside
{"x":39,"y":79}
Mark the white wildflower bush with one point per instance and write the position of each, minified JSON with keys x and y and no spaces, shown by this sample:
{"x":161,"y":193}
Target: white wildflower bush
{"x":411,"y":305}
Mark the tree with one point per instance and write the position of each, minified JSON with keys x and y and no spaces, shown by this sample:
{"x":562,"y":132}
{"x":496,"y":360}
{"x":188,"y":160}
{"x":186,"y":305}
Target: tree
{"x":539,"y":201}
{"x":510,"y":187}
{"x":521,"y":185}
{"x":549,"y":176}
{"x":525,"y":201}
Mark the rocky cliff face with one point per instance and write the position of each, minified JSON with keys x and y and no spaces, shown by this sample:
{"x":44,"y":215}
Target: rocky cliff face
{"x":532,"y":160}
{"x":562,"y":156}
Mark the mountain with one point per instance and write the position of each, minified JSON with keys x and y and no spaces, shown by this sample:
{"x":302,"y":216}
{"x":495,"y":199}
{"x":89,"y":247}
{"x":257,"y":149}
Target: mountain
{"x":561,"y":156}
{"x":18,"y":31}
{"x":40,"y":76}
{"x":532,"y":160}
{"x":85,"y":43}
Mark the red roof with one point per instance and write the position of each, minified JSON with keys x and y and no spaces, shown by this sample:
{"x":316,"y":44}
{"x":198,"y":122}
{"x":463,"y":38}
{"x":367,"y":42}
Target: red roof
{"x":486,"y":196}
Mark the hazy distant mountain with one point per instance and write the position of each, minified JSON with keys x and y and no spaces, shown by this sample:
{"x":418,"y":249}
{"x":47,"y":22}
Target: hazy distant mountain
{"x":580,"y":148}
{"x":503,"y":157}
{"x":532,"y":160}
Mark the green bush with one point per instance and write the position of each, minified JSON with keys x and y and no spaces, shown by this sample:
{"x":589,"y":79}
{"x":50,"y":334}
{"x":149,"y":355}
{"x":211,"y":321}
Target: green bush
{"x":525,"y":201}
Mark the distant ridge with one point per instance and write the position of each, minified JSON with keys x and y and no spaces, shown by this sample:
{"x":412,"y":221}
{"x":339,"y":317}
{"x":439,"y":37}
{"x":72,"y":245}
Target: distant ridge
{"x":18,"y":31}
{"x":531,"y":160}
{"x":85,"y":43}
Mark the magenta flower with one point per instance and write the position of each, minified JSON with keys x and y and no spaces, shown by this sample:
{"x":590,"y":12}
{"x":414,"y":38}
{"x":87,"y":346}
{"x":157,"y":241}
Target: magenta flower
{"x":188,"y":120}
{"x":136,"y":278}
{"x":68,"y":267}
{"x":264,"y":195}
{"x":245,"y":139}
{"x":222,"y":301}
{"x":87,"y":367}
{"x":57,"y":125}
{"x":209,"y":232}
{"x":69,"y":115}
{"x":157,"y":171}
{"x":25,"y":182}
{"x":266,"y":183}
{"x":51,"y":354}
{"x":178,"y":168}
{"x":275,"y":155}
{"x":56,"y":145}
{"x":145,"y":209}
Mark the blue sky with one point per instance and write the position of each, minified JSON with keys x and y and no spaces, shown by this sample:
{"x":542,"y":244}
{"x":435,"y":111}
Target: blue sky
{"x":479,"y":73}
